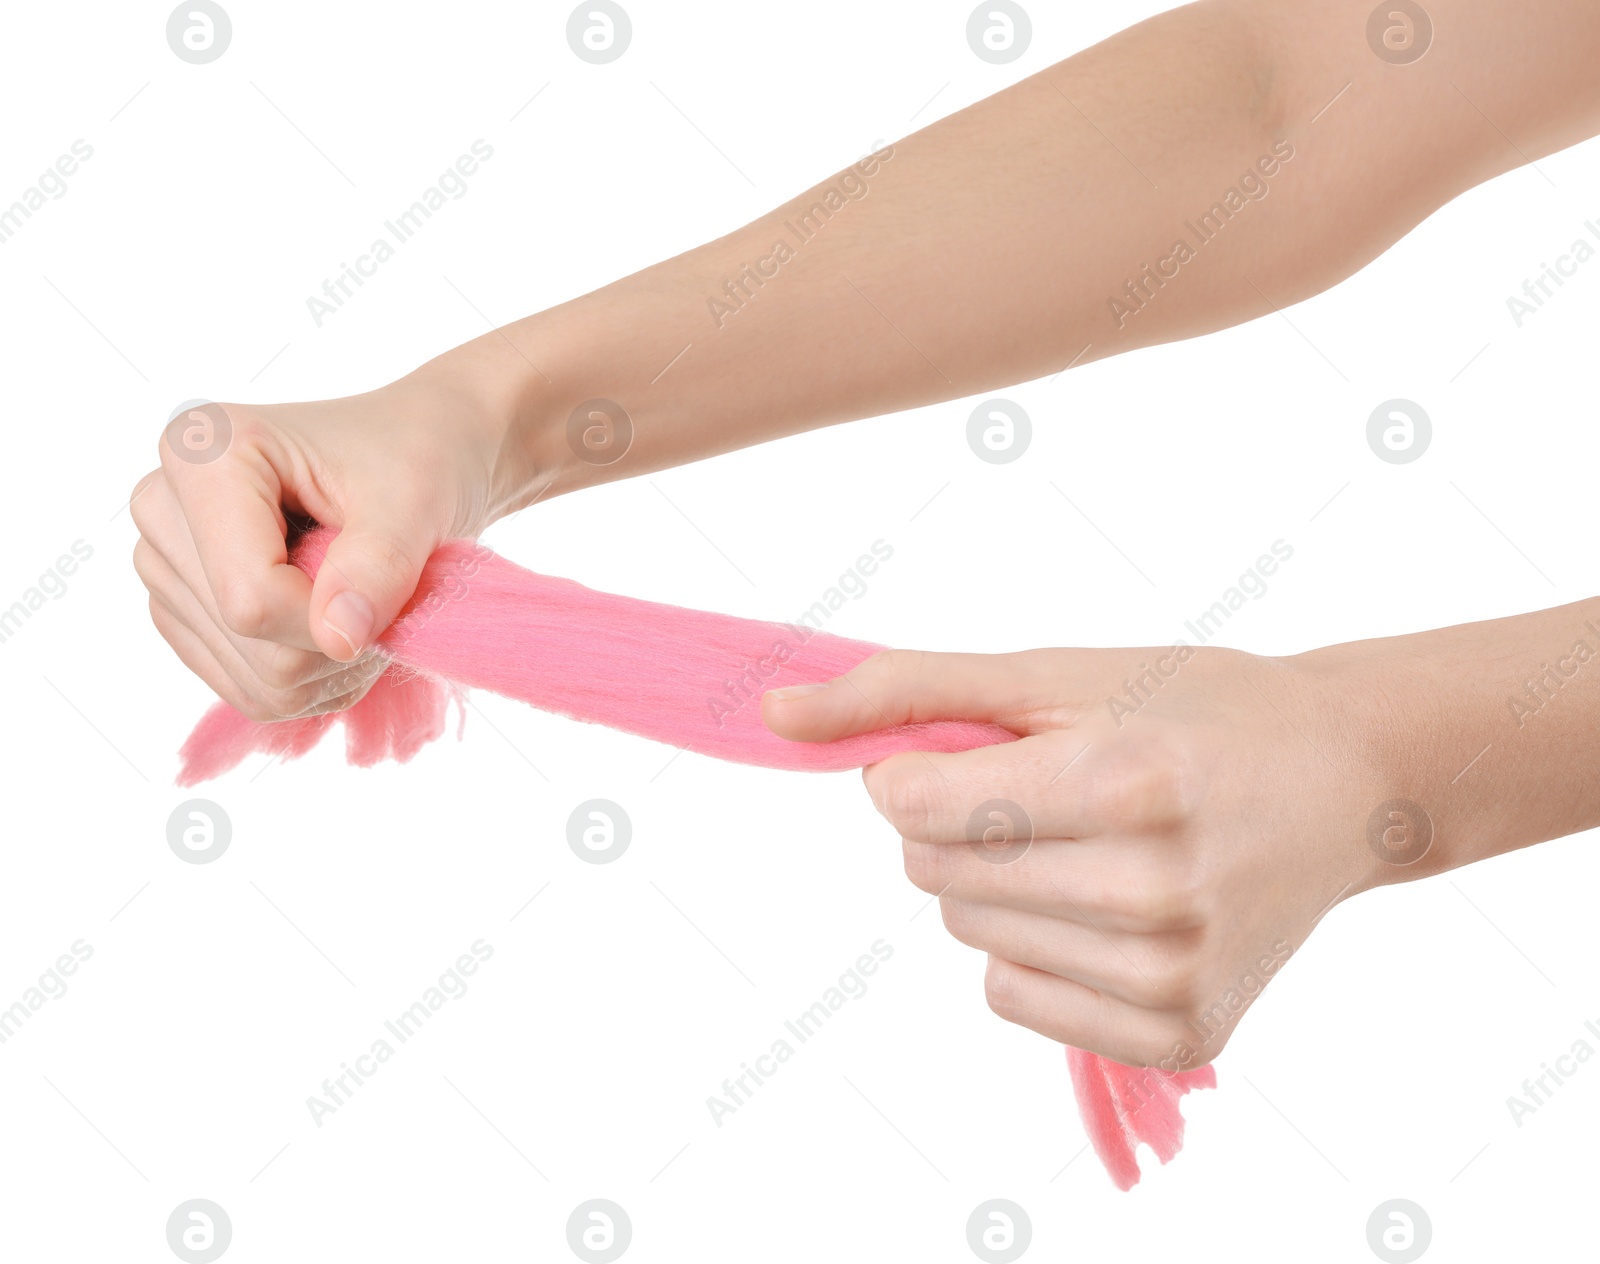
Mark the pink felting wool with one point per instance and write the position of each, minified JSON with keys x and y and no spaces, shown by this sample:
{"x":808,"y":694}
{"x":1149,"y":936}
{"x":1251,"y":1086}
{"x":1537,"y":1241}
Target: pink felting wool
{"x":1122,"y":1106}
{"x":688,"y":678}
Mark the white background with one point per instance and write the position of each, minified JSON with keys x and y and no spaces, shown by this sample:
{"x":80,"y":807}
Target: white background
{"x":179,"y":1062}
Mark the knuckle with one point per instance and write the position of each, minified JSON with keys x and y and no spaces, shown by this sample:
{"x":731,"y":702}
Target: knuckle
{"x":283,"y":704}
{"x":910,"y":802}
{"x":887,"y":682}
{"x":1187,"y":1051}
{"x":1149,"y":1049}
{"x":139,"y":509}
{"x":891,"y":663}
{"x":143,"y":563}
{"x":287,"y":666}
{"x":1166,"y":898}
{"x":925,"y":865}
{"x":1170,"y":986}
{"x":1217,"y":1004}
{"x":962,"y":920}
{"x":243,"y":607}
{"x":151,"y":506}
{"x":254,"y":710}
{"x":1142,"y":790}
{"x":1001,"y":989}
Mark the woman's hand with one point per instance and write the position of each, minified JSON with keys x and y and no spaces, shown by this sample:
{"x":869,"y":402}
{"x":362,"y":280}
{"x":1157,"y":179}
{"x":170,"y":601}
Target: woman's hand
{"x":1168,"y":830}
{"x":398,"y":470}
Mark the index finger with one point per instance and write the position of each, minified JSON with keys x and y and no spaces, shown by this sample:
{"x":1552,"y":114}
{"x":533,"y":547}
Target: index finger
{"x":1051,"y":785}
{"x":231,"y":502}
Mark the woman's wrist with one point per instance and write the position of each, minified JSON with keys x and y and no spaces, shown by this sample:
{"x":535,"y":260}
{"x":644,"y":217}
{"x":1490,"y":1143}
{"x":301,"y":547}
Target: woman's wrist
{"x":510,"y":399}
{"x":1390,"y":724}
{"x":1470,"y":741}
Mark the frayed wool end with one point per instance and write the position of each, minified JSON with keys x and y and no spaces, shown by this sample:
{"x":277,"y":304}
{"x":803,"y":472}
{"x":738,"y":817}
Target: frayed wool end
{"x":1122,"y":1106}
{"x":399,"y":715}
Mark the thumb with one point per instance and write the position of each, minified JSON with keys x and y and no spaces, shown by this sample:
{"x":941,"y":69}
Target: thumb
{"x":906,"y":687}
{"x":370,"y":571}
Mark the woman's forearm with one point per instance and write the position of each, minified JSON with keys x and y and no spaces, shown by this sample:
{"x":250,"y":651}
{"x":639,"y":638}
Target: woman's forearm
{"x":1197,"y":170}
{"x":1185,"y":175}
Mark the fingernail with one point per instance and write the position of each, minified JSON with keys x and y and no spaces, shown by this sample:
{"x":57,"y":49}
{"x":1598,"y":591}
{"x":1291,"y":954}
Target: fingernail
{"x":795,"y":691}
{"x":349,"y":617}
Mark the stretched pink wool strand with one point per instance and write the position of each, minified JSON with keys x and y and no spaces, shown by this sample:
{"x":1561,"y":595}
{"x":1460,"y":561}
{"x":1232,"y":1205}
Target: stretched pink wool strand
{"x":688,"y":678}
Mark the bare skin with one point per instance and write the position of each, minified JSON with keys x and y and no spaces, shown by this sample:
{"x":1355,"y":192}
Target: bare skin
{"x":1030,"y":232}
{"x":1184,"y":850}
